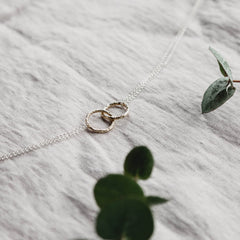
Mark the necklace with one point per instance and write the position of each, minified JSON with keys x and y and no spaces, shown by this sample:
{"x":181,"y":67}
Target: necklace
{"x":123,"y":104}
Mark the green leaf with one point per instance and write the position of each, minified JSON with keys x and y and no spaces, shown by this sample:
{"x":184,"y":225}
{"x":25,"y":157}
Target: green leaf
{"x":139,"y":163}
{"x":153,"y":200}
{"x":222,"y":70}
{"x":114,"y":187}
{"x":217,"y":94}
{"x":224,"y":66}
{"x":129,"y":218}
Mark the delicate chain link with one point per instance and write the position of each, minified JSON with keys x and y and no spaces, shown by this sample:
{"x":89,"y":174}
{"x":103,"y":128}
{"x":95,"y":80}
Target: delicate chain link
{"x":131,"y":96}
{"x":165,"y":59}
{"x":45,"y":143}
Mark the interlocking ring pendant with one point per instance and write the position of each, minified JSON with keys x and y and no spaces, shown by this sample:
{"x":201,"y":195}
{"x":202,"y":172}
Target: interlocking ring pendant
{"x":107,"y":116}
{"x":116,"y":104}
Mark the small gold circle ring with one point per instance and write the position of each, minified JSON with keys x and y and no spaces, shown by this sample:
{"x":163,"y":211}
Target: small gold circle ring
{"x":115,"y":104}
{"x":95,"y":130}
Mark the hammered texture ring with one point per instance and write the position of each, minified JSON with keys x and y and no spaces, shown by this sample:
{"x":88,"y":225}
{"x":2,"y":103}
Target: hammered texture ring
{"x":112,"y":105}
{"x":95,"y":130}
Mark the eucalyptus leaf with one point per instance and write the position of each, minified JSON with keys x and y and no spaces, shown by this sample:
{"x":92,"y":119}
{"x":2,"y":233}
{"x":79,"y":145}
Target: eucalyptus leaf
{"x":114,"y":187}
{"x":224,"y":66}
{"x":153,"y":200}
{"x":139,"y":163}
{"x":217,"y":94}
{"x":128,"y":218}
{"x":222,"y":70}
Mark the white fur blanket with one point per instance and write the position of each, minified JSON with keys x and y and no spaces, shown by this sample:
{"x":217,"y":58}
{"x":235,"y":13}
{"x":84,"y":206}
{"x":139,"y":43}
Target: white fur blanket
{"x":60,"y":59}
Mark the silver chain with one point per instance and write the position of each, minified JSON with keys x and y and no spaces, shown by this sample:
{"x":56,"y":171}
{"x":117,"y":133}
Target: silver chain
{"x":131,"y":96}
{"x":45,"y":143}
{"x":165,"y":59}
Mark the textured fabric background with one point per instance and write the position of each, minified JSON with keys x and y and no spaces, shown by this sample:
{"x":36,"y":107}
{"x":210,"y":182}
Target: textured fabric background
{"x":60,"y":59}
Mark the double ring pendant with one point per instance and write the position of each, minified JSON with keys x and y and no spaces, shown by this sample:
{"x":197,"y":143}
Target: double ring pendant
{"x":107,"y":116}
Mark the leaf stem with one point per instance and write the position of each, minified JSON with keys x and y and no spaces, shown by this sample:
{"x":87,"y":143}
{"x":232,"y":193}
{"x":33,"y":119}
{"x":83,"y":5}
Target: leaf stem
{"x":230,"y":82}
{"x":123,"y":237}
{"x":136,"y":178}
